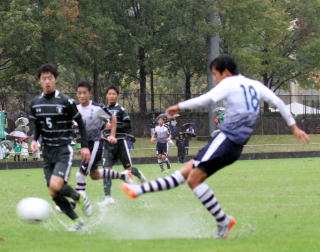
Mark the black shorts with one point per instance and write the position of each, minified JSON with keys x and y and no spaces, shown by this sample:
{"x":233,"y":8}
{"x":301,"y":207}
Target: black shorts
{"x":114,"y":152}
{"x":57,"y":161}
{"x":218,"y":153}
{"x":95,"y":148}
{"x":162,"y":148}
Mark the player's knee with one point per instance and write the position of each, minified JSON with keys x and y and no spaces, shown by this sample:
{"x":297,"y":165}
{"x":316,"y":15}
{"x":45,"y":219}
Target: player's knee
{"x":194,"y":179}
{"x":53,"y":190}
{"x":192,"y":182}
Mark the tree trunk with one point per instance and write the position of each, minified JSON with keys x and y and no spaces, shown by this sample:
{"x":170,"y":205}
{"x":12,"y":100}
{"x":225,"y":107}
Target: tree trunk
{"x":95,"y":81}
{"x":213,"y":43}
{"x":142,"y":77}
{"x":265,"y":82}
{"x":152,"y":91}
{"x":187,"y":86}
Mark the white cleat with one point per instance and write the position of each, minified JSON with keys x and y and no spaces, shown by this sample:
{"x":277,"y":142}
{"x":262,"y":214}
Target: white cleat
{"x":58,"y":209}
{"x":128,"y":177}
{"x":108,"y":200}
{"x":85,"y":204}
{"x":77,"y":226}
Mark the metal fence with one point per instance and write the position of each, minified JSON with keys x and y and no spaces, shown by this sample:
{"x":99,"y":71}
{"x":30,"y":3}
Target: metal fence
{"x":17,"y":102}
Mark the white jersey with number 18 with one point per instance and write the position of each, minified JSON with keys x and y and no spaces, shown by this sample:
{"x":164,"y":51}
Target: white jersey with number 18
{"x":241,"y":97}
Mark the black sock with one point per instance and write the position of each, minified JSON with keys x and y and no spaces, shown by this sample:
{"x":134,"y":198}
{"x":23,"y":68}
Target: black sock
{"x":65,"y":206}
{"x":68,"y":191}
{"x":136,"y":172}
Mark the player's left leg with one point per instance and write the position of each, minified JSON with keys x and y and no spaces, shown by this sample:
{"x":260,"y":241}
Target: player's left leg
{"x":217,"y":154}
{"x":202,"y":191}
{"x":62,"y":169}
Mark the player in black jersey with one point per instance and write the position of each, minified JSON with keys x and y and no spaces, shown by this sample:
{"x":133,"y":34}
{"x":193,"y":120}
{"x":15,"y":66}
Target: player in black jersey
{"x":52,"y":113}
{"x":120,"y":150}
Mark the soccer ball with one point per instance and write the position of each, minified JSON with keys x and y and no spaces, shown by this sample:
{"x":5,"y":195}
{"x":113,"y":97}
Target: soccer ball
{"x":33,"y":209}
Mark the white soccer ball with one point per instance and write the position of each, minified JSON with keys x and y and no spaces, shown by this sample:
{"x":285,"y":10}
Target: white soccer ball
{"x":33,"y":209}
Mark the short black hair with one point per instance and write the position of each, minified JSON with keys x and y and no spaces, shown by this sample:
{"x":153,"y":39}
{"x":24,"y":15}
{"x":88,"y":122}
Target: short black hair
{"x":224,"y":62}
{"x":48,"y":68}
{"x":112,"y":88}
{"x":85,"y":84}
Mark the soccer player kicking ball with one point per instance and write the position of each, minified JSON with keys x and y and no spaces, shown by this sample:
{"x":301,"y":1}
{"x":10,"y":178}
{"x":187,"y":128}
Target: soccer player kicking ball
{"x":95,"y":117}
{"x":52,"y":113}
{"x":241,"y":98}
{"x":162,"y":136}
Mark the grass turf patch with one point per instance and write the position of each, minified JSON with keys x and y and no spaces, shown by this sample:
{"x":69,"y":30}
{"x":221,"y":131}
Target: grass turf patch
{"x":276,"y":204}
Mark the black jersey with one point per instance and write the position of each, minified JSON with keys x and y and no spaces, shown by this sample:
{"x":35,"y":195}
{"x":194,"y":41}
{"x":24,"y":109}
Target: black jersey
{"x":53,"y":115}
{"x":123,"y":119}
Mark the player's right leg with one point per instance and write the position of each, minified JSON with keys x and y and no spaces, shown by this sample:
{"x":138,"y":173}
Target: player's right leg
{"x":160,"y":184}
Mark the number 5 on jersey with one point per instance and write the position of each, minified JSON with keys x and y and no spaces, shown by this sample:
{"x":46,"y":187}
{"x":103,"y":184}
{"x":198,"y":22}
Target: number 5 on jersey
{"x":49,"y":122}
{"x":251,"y":97}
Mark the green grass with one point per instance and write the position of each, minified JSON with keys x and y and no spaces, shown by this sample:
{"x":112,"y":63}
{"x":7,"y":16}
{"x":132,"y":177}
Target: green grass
{"x":276,"y":204}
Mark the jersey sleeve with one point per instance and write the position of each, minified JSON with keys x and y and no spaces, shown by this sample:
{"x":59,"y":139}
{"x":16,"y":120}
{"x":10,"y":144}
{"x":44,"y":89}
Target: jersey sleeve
{"x":270,"y":97}
{"x":71,"y":109}
{"x":35,"y":122}
{"x":104,"y":114}
{"x":216,"y":94}
{"x":124,"y":123}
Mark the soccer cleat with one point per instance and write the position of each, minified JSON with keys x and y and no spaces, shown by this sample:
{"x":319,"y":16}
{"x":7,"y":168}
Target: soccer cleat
{"x":58,"y":209}
{"x":85,"y":204}
{"x":127,"y":177}
{"x":164,"y":171}
{"x":132,"y":191}
{"x":73,"y":204}
{"x":223,"y":230}
{"x":76,"y":226}
{"x":106,"y":201}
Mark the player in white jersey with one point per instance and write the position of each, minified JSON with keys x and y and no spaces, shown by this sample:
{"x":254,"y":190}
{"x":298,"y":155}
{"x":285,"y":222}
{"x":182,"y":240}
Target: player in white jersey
{"x":162,"y":136}
{"x":241,"y":98}
{"x":95,"y":118}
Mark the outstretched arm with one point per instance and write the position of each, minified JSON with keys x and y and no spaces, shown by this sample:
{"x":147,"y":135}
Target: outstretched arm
{"x":301,"y":136}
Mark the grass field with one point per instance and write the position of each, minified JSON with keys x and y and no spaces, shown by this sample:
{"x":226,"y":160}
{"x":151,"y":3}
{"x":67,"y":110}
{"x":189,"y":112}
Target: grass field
{"x":276,"y":204}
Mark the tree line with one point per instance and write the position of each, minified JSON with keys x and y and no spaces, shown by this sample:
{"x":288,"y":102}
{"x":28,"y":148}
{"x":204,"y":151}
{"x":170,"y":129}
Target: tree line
{"x":156,"y":46}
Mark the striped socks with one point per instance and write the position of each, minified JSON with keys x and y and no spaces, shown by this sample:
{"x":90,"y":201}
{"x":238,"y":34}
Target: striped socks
{"x":110,"y":174}
{"x":161,"y":184}
{"x":160,"y":162}
{"x":81,"y":181}
{"x":205,"y":195}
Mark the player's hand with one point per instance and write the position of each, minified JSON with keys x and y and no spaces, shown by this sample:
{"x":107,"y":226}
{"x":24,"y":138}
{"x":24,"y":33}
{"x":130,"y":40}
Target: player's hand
{"x":152,"y":139}
{"x":85,"y":154}
{"x":301,"y":136}
{"x":34,"y":146}
{"x":108,"y":126}
{"x":112,"y":139}
{"x":171,"y":111}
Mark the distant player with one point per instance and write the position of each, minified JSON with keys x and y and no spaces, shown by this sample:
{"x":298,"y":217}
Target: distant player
{"x":95,"y":118}
{"x":241,"y":98}
{"x":162,"y":136}
{"x":119,"y":151}
{"x":52,"y":113}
